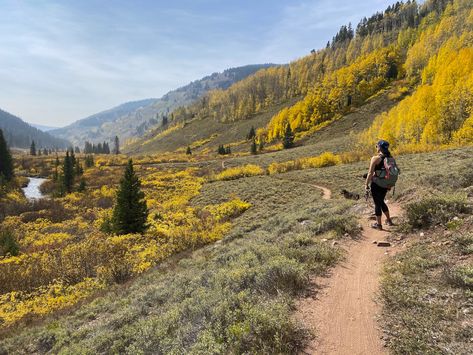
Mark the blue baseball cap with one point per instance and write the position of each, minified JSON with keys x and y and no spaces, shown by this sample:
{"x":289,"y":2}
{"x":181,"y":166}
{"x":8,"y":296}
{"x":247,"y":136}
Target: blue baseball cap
{"x":383,"y":145}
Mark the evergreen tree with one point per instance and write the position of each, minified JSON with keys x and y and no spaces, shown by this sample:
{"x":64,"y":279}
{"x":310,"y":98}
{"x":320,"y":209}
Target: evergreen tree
{"x":6,"y":161}
{"x":33,"y":148}
{"x":251,"y":134}
{"x":288,"y":140}
{"x":165,"y":121}
{"x":261,"y":145}
{"x":68,"y":174}
{"x":89,"y":161}
{"x":253,"y":147}
{"x":189,"y":151}
{"x":56,"y":166}
{"x":73,"y":157}
{"x":82,"y":185}
{"x":130,"y":211}
{"x":116,"y":148}
{"x":228,"y":150}
{"x":78,"y":168}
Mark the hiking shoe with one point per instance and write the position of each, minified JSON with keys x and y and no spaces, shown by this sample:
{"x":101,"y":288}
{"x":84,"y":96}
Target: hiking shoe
{"x":377,"y":226}
{"x":389,"y":223}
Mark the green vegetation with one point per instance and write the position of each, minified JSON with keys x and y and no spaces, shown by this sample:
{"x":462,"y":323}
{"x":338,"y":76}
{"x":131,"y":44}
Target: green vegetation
{"x":433,"y":211}
{"x":8,"y":243}
{"x":288,"y":140}
{"x":67,"y":178}
{"x":6,"y":165}
{"x":130,"y":212}
{"x":427,"y":294}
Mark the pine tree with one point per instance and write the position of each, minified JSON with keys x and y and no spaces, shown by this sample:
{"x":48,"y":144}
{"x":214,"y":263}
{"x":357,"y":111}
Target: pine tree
{"x":130,"y":211}
{"x":116,"y":148}
{"x":288,"y":141}
{"x":78,"y":168}
{"x":82,"y":185}
{"x":33,"y":148}
{"x":253,"y":147}
{"x":261,"y":145}
{"x":165,"y":121}
{"x":72,"y":157}
{"x":56,"y":166}
{"x":68,"y":173}
{"x":251,"y":134}
{"x":89,"y":161}
{"x":189,"y":151}
{"x":6,"y":161}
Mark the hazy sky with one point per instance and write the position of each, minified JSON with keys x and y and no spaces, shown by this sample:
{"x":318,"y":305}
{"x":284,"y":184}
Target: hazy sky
{"x":64,"y":60}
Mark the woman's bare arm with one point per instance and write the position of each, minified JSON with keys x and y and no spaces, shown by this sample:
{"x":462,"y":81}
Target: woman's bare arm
{"x":374,"y":161}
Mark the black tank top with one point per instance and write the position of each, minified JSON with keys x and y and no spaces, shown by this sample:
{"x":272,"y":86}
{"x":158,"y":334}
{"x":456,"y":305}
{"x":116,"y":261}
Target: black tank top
{"x":380,"y":165}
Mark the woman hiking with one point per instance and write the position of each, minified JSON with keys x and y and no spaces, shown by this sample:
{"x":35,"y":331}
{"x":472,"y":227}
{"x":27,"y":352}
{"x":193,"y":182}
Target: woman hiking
{"x":378,"y":192}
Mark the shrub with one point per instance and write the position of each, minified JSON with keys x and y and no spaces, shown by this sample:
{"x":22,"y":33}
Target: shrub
{"x":8,"y":243}
{"x":240,"y":172}
{"x":435,"y":210}
{"x":465,"y":243}
{"x":280,"y":274}
{"x":461,"y":276}
{"x":320,"y":161}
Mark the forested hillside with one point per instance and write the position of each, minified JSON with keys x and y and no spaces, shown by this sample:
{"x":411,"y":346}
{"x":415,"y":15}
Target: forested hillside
{"x":20,"y":134}
{"x":133,"y":119}
{"x":391,"y":46}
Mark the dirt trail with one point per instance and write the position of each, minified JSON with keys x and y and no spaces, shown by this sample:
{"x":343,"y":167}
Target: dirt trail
{"x":344,"y":311}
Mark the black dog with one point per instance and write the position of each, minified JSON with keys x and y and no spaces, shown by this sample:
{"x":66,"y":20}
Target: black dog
{"x":350,"y":195}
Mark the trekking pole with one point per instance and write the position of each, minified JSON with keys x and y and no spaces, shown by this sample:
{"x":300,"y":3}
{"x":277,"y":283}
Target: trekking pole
{"x":367,"y":193}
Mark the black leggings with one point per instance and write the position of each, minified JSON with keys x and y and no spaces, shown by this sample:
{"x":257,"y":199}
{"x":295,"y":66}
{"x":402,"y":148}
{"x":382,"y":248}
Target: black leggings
{"x":379,"y":193}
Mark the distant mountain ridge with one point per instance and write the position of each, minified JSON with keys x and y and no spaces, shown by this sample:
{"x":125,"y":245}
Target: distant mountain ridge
{"x":42,"y":127}
{"x":19,"y":134}
{"x":133,"y":119}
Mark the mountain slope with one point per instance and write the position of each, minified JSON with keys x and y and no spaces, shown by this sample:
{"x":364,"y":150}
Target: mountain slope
{"x":19,"y":134}
{"x":132,"y":119}
{"x":318,"y":89}
{"x":426,"y":48}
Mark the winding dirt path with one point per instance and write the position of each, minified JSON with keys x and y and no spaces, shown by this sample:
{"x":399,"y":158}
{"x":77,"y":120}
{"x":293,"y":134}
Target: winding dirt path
{"x":344,"y":310}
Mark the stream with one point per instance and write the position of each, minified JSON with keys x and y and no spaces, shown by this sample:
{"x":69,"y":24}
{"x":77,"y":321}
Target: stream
{"x":32,"y":191}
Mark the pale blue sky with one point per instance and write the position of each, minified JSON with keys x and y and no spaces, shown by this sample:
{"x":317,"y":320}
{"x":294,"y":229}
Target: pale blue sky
{"x":64,"y":60}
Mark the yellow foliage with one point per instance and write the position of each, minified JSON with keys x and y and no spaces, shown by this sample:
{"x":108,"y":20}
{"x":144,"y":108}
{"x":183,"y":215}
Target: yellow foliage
{"x":17,"y":305}
{"x":439,"y":111}
{"x":64,"y":262}
{"x":239,"y":172}
{"x":350,"y":85}
{"x":228,"y":209}
{"x":323,"y":160}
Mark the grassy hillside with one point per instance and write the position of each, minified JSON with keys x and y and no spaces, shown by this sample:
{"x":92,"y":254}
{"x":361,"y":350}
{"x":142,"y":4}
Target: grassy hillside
{"x":312,"y":92}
